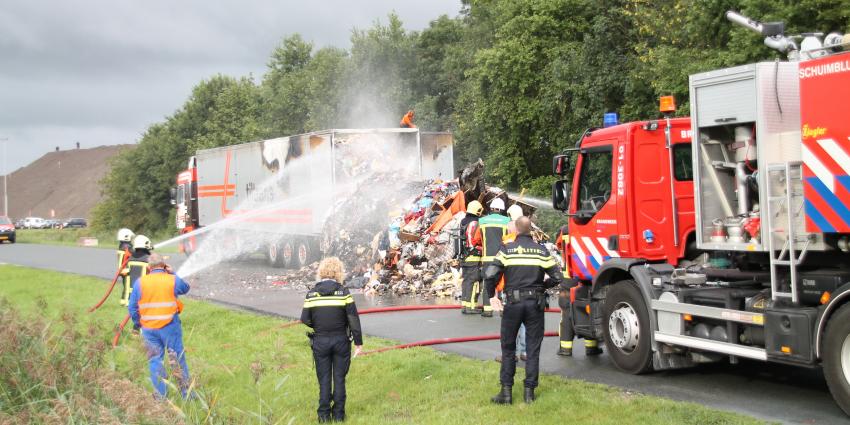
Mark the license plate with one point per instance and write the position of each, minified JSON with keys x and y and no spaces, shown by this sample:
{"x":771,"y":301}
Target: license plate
{"x":3,"y":238}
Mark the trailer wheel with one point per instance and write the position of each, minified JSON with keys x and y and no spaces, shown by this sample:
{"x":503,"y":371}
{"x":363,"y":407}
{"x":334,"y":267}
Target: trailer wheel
{"x":836,"y":357}
{"x":626,"y":328}
{"x":274,"y":255}
{"x":302,"y":254}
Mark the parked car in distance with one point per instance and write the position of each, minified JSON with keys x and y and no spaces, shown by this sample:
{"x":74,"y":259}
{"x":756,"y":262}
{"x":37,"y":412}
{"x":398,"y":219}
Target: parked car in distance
{"x":52,"y":223}
{"x":35,"y":223}
{"x":19,"y":223}
{"x":7,"y":230}
{"x":75,"y":222}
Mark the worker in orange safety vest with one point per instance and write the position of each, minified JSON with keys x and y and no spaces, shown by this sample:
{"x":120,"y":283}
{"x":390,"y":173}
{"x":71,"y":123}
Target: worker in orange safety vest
{"x":155,"y":308}
{"x":407,"y":120}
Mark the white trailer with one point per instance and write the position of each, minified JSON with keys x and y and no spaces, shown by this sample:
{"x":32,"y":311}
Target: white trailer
{"x":282,"y":190}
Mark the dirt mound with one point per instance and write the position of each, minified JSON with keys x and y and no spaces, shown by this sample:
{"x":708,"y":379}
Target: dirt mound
{"x":64,"y":181}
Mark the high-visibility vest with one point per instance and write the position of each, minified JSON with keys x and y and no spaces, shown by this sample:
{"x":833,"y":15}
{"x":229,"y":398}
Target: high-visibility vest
{"x":157,"y":303}
{"x":493,"y":228}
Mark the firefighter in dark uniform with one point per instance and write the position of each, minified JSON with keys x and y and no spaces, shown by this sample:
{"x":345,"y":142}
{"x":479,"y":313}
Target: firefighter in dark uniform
{"x":491,"y":229}
{"x":524,"y":264}
{"x":330,"y":310}
{"x":470,"y":257}
{"x":566,"y":333}
{"x":138,"y":265}
{"x":125,"y":248}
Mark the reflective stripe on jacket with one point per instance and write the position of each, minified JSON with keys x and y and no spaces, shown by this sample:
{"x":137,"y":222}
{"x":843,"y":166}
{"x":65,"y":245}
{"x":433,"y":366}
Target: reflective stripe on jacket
{"x":157,"y":303}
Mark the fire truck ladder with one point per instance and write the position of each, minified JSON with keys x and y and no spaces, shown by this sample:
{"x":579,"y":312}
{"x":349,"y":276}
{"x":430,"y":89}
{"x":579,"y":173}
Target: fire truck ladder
{"x":781,"y":198}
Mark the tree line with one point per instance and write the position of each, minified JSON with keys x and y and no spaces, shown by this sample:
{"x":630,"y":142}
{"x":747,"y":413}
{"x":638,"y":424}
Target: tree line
{"x":515,"y":81}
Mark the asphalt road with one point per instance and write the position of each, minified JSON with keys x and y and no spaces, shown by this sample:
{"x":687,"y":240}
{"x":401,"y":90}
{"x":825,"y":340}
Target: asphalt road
{"x":768,"y":391}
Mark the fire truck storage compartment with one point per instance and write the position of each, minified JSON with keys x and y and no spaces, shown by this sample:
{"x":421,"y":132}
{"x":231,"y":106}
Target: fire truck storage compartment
{"x":788,"y":334}
{"x":744,"y":118}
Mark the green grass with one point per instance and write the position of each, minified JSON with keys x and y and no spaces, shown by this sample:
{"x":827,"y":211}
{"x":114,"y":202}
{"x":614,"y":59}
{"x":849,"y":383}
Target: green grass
{"x":255,"y":369}
{"x":70,"y":237}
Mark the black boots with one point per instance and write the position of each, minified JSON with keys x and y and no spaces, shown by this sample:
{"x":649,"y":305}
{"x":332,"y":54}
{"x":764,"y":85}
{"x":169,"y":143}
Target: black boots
{"x":504,"y":397}
{"x":324,"y":418}
{"x":592,"y":351}
{"x":566,"y":352}
{"x":528,"y":395}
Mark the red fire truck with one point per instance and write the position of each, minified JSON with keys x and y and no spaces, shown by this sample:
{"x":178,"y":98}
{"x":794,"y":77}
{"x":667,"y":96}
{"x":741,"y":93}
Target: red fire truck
{"x":725,"y":235}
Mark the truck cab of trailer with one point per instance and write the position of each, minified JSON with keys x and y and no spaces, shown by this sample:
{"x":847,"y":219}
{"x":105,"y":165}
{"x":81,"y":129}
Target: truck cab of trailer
{"x":184,"y":198}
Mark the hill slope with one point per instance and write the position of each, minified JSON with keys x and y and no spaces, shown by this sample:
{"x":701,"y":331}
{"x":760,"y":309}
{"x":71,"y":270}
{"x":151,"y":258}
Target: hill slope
{"x":65,"y":182}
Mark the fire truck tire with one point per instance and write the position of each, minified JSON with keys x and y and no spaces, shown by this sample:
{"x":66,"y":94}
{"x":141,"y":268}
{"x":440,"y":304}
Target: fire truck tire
{"x":626,"y":328}
{"x":836,"y":357}
{"x":302,"y":255}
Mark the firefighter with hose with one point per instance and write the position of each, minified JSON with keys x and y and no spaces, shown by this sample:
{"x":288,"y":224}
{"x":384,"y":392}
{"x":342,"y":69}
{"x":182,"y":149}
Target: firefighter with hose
{"x":470,"y":257}
{"x":566,"y":334}
{"x":330,"y":310}
{"x":524,"y":263}
{"x":155,"y":309}
{"x":125,"y":247}
{"x":491,"y":229}
{"x":138,"y":265}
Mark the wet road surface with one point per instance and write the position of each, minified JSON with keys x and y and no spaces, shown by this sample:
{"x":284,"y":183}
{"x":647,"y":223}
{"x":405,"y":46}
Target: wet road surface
{"x":767,"y":391}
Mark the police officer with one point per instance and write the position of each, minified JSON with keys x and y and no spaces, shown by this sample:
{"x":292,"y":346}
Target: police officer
{"x":138,"y":265}
{"x":566,"y":333}
{"x":330,"y":310}
{"x":523,"y":263}
{"x":491,"y":229}
{"x":470,"y":256}
{"x":125,"y":246}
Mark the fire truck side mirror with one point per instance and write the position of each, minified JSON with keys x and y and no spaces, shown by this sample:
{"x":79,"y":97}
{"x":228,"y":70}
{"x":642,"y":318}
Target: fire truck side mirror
{"x":173,"y":193}
{"x":561,"y":195}
{"x":560,"y":165}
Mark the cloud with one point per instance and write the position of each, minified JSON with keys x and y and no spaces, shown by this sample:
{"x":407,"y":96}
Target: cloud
{"x":100,"y":72}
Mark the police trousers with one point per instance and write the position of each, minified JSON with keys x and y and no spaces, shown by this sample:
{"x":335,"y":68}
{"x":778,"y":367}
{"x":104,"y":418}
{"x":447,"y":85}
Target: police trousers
{"x":332,"y":355}
{"x":528,"y":312}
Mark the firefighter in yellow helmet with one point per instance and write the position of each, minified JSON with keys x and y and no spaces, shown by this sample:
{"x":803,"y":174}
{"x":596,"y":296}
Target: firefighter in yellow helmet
{"x":125,"y":248}
{"x":491,"y":229}
{"x":470,"y":257}
{"x":138,"y":264}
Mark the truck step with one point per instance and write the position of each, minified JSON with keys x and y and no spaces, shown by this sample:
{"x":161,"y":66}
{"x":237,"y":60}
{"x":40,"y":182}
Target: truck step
{"x":715,"y":346}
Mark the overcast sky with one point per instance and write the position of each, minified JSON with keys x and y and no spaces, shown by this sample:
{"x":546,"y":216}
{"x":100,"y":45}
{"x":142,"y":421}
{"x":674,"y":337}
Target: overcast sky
{"x":99,"y":72}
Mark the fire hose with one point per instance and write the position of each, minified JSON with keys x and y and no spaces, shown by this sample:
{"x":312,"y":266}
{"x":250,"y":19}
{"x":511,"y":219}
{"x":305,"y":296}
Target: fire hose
{"x":119,"y":331}
{"x":112,"y":286}
{"x":390,"y":310}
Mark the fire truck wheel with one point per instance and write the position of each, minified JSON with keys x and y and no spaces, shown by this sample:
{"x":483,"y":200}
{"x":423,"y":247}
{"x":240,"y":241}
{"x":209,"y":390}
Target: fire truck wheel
{"x":836,"y":357}
{"x":626,"y":328}
{"x":301,"y":257}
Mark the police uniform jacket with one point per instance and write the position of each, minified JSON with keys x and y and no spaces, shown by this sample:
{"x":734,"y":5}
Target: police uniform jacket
{"x":524,"y":264}
{"x":330,"y":310}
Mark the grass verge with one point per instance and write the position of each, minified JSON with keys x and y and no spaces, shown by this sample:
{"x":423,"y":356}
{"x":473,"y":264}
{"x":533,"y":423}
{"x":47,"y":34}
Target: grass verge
{"x":255,"y":369}
{"x":71,"y":236}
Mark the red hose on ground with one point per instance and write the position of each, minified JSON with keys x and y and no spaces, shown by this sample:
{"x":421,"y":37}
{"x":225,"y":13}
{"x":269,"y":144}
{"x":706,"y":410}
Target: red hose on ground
{"x":120,"y":329}
{"x":112,"y":286}
{"x":440,"y":341}
{"x":408,"y":308}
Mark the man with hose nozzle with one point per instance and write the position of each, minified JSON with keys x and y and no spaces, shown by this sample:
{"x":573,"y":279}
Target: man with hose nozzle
{"x":524,"y":264}
{"x":155,"y":309}
{"x":125,"y":247}
{"x":138,"y":265}
{"x":491,"y":229}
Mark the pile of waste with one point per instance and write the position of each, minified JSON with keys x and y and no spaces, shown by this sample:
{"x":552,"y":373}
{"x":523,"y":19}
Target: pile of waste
{"x":401,"y":240}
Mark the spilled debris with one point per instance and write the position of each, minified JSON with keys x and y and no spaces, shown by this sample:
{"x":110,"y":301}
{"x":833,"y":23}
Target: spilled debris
{"x":401,"y":241}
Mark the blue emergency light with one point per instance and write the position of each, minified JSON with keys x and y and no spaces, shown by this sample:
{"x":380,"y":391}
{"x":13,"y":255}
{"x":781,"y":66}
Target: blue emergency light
{"x":610,"y":119}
